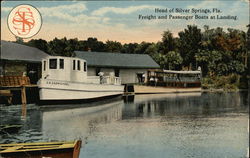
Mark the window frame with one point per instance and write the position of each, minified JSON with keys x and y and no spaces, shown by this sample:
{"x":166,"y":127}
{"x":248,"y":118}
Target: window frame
{"x":74,"y":64}
{"x":84,"y":66}
{"x":78,"y":65}
{"x":61,"y":64}
{"x":51,"y":66}
{"x":44,"y":65}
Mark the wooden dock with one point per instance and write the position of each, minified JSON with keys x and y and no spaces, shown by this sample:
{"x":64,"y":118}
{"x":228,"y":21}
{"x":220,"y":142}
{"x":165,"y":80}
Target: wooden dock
{"x":17,"y":83}
{"x":7,"y":95}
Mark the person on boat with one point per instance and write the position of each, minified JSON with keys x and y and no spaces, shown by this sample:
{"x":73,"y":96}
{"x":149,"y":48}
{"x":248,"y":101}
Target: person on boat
{"x":101,"y":77}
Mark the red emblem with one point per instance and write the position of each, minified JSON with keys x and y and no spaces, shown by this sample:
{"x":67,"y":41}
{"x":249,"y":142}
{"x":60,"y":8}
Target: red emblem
{"x":23,"y":21}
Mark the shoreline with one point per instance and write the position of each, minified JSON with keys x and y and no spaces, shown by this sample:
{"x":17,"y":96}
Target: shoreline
{"x":142,"y":89}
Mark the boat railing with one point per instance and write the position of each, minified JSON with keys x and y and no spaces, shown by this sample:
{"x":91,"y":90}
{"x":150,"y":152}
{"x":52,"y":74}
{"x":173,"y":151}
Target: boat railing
{"x":181,"y":79}
{"x":104,"y":80}
{"x":111,"y":80}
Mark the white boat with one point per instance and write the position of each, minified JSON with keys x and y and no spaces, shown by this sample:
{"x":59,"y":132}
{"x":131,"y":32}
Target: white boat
{"x":65,"y":79}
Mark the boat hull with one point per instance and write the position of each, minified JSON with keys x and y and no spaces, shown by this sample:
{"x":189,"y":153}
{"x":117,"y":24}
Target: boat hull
{"x":41,"y":150}
{"x":66,"y":153}
{"x":53,"y":90}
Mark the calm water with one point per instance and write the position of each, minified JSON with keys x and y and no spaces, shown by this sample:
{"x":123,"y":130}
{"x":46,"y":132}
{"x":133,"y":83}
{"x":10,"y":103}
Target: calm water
{"x":192,"y":125}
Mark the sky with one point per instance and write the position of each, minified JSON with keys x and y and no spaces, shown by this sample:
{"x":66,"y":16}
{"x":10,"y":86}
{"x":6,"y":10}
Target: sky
{"x":119,"y":20}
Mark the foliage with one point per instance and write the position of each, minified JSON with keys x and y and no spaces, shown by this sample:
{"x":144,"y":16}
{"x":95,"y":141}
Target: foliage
{"x":219,"y":52}
{"x":129,"y":48}
{"x":113,"y":46}
{"x":62,"y":47}
{"x":19,"y":40}
{"x":92,"y":44}
{"x":173,"y":59}
{"x":168,"y":42}
{"x":227,"y":83}
{"x":40,"y":44}
{"x":160,"y":59}
{"x":189,"y":44}
{"x":142,"y":47}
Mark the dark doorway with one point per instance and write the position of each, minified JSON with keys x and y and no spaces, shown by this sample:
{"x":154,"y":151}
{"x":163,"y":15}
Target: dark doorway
{"x":97,"y":70}
{"x":140,"y":77}
{"x":33,"y":72}
{"x":117,"y":72}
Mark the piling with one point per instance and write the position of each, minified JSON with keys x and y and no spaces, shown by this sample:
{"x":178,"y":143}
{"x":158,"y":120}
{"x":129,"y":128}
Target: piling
{"x":24,"y":101}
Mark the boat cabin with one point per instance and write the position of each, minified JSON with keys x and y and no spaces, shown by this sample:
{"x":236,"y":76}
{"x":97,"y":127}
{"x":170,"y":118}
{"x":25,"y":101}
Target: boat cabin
{"x":73,"y":69}
{"x":64,"y":68}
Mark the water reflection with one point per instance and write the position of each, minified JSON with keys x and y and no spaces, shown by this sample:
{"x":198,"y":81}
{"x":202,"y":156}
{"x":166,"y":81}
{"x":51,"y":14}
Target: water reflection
{"x":59,"y":123}
{"x":177,"y":125}
{"x":190,"y":104}
{"x":70,"y":124}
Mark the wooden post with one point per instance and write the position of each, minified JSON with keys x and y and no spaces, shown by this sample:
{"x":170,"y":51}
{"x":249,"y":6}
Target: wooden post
{"x":24,"y":101}
{"x":23,"y":93}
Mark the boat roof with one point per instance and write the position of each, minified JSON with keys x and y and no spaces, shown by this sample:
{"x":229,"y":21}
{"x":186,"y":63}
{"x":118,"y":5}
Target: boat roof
{"x":182,"y":72}
{"x":117,"y":60}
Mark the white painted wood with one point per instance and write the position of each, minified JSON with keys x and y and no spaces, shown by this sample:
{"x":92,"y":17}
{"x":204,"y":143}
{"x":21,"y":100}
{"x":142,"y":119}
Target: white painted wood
{"x":126,"y":75}
{"x":71,"y":84}
{"x":130,"y":75}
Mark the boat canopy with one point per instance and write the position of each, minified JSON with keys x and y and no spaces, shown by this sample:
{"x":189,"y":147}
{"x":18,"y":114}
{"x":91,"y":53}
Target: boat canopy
{"x":182,"y":72}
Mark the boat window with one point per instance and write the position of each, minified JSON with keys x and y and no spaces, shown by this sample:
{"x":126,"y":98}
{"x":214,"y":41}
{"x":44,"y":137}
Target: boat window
{"x":85,"y":66}
{"x":44,"y":65}
{"x":61,"y":63}
{"x":78,"y":65}
{"x":74,"y":64}
{"x":53,"y":63}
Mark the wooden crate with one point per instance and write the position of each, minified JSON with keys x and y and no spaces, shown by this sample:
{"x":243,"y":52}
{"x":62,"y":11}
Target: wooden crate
{"x":14,"y":81}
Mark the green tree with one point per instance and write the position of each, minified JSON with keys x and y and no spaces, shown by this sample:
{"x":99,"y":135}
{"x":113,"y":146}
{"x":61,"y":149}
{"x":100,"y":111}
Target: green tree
{"x":91,"y":44}
{"x":152,"y":49}
{"x":247,"y":56}
{"x":208,"y":61}
{"x":173,"y":60}
{"x":113,"y":46}
{"x":160,"y":59}
{"x":40,"y":44}
{"x":60,"y":47}
{"x":189,"y":44}
{"x":129,"y":48}
{"x":168,"y":42}
{"x":141,"y":48}
{"x":19,"y":40}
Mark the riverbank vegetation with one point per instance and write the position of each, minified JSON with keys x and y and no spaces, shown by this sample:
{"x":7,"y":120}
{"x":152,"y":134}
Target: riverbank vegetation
{"x":223,"y":55}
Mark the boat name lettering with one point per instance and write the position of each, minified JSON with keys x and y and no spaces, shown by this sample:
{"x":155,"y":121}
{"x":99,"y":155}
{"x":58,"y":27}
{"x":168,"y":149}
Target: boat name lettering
{"x":57,"y":83}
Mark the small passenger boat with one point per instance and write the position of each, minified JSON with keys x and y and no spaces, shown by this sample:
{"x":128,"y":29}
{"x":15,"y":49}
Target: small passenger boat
{"x":172,"y":78}
{"x":65,"y":79}
{"x":41,"y":150}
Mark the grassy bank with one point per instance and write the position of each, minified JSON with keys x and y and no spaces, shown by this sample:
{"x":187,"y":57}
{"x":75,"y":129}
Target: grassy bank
{"x":232,"y":82}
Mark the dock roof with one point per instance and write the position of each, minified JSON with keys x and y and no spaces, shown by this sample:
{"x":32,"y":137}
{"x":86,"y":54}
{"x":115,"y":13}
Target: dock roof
{"x":19,"y":52}
{"x":117,"y":60}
